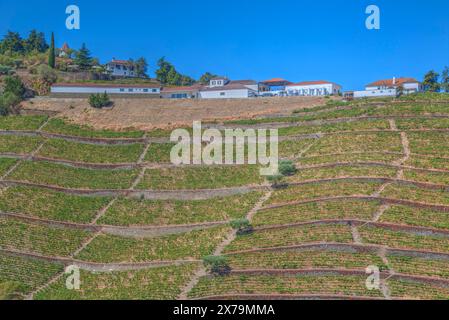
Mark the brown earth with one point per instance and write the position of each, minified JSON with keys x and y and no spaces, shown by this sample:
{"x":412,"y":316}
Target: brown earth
{"x":147,"y":114}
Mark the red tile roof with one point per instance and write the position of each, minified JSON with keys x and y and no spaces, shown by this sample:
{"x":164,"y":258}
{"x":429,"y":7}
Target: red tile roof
{"x":181,"y":89}
{"x":389,"y":82}
{"x":274,"y":80}
{"x":122,"y":62}
{"x":245,"y":82}
{"x":106,"y":85}
{"x":65,"y":47}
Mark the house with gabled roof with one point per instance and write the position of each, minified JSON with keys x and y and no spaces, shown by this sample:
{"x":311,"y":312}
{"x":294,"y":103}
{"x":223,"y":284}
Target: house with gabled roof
{"x":223,"y":88}
{"x":121,"y":68}
{"x":389,"y":87}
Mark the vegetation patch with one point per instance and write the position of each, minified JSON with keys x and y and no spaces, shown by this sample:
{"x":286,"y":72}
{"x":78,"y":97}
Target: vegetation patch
{"x":321,"y":190}
{"x":428,"y":163}
{"x":68,"y":177}
{"x":200,"y":177}
{"x":403,"y":240}
{"x":81,"y":152}
{"x":413,"y":124}
{"x":6,"y":164}
{"x":415,"y":290}
{"x":336,"y":127}
{"x":24,"y":275}
{"x":49,"y":241}
{"x":171,"y":212}
{"x":295,"y":148}
{"x":22,"y":123}
{"x":240,"y":284}
{"x":427,"y":177}
{"x":19,"y":144}
{"x":60,"y":126}
{"x":350,"y":158}
{"x":430,"y":143}
{"x":309,"y":259}
{"x":342,"y":172}
{"x":195,"y":245}
{"x":419,"y":266}
{"x":291,"y":236}
{"x":159,"y":153}
{"x":50,"y":204}
{"x":416,"y":217}
{"x":153,"y":284}
{"x":348,"y":209}
{"x":367,"y":142}
{"x":412,"y":193}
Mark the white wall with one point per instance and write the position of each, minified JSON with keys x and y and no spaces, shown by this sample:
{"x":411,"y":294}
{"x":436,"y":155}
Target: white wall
{"x":375,"y":93}
{"x":314,"y":90}
{"x":113,"y":90}
{"x":228,"y":94}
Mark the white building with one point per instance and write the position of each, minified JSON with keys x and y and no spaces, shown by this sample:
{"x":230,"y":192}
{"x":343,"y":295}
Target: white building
{"x":121,"y":68}
{"x":389,"y":88}
{"x":222,"y":88}
{"x":313,"y":88}
{"x":85,"y":89}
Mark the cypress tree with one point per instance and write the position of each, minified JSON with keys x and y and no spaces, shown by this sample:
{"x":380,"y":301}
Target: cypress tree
{"x":51,"y":54}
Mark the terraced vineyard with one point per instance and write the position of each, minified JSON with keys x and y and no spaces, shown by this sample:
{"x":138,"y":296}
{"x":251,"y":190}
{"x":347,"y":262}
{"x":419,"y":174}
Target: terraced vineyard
{"x":371,"y":189}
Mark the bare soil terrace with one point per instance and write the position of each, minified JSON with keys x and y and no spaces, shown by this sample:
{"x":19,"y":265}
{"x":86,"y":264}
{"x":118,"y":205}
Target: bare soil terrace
{"x":148,"y":114}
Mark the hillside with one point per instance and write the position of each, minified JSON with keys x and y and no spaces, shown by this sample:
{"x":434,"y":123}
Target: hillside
{"x":371,"y":190}
{"x":148,"y":114}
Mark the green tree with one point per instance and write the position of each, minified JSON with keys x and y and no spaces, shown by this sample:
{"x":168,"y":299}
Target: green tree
{"x":164,"y":69}
{"x":36,"y":42}
{"x":83,"y":58}
{"x":14,"y":85}
{"x":187,"y":81}
{"x":52,"y":53}
{"x":430,"y":82}
{"x":205,"y":78}
{"x":445,"y":79}
{"x":173,"y":77}
{"x":141,"y":67}
{"x":218,"y":265}
{"x":8,"y":101}
{"x":168,"y":75}
{"x":12,"y":43}
{"x":287,"y":168}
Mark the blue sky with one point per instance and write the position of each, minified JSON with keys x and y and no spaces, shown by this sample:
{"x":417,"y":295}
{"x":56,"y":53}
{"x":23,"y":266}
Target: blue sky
{"x":248,"y":39}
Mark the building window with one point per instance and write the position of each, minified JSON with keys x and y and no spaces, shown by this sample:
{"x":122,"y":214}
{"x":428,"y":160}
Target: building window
{"x":130,"y":90}
{"x":222,"y":94}
{"x":154,"y":90}
{"x":145,"y":90}
{"x":122,"y":90}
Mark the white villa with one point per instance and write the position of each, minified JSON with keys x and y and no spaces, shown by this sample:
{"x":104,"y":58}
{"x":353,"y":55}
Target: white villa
{"x":223,"y":88}
{"x":121,"y":68}
{"x":313,"y":88}
{"x":389,"y":88}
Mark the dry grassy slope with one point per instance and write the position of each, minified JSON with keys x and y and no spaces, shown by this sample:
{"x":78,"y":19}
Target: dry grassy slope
{"x":146,"y":114}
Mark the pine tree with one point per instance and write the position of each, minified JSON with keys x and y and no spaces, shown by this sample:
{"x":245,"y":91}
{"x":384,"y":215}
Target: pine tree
{"x":51,"y":54}
{"x":83,"y":58}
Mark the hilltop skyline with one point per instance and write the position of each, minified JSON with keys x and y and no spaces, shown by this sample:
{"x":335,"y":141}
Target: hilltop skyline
{"x":322,"y":41}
